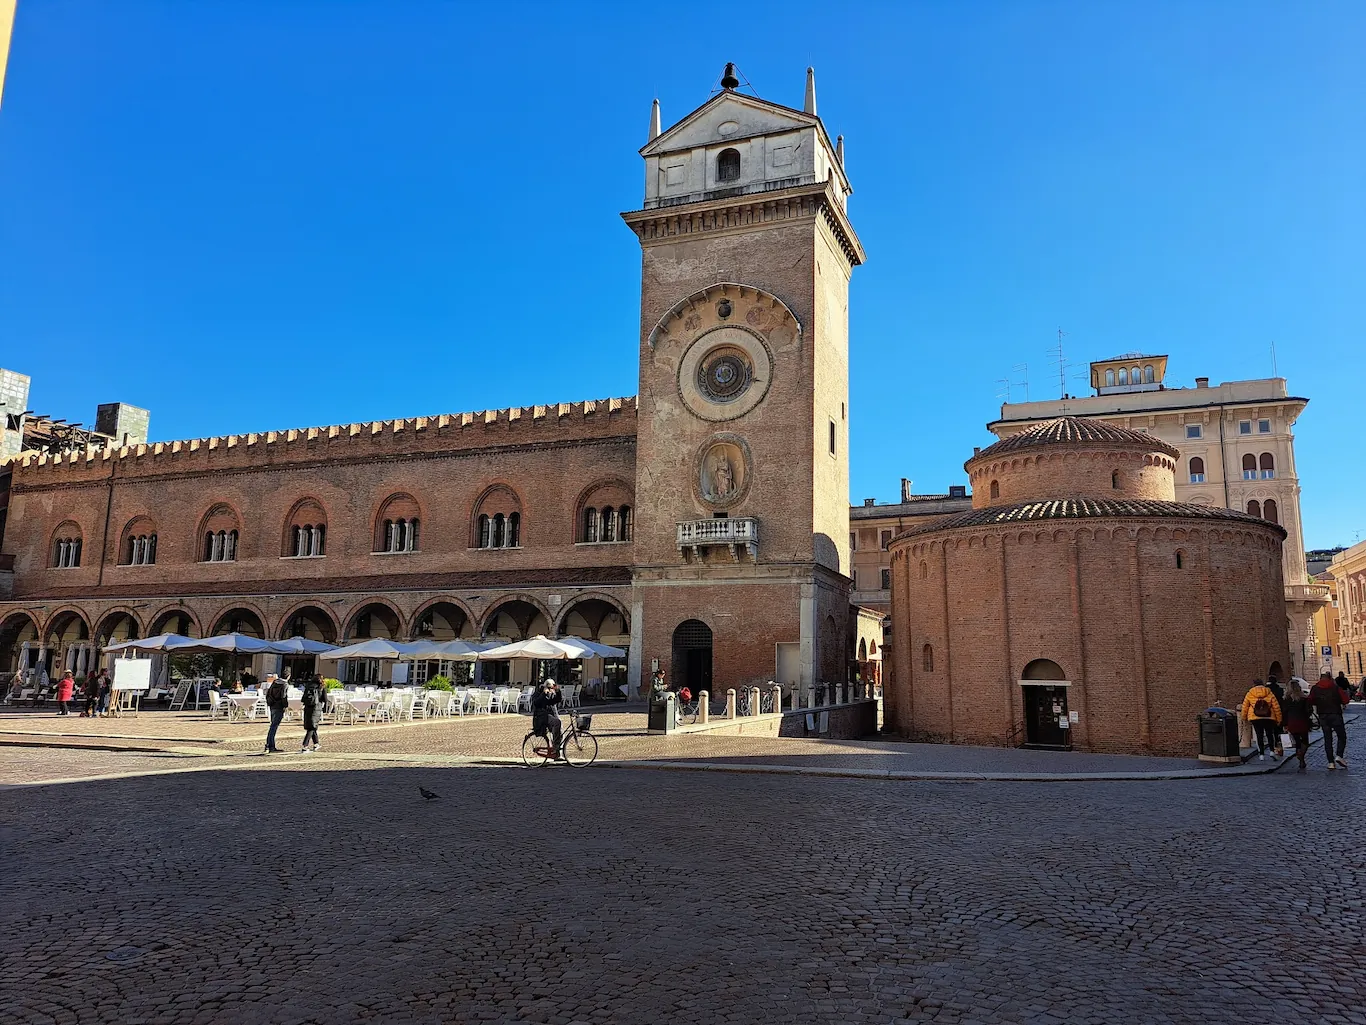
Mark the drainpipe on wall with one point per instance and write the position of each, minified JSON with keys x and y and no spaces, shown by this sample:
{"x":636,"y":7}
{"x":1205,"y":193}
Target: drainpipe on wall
{"x":1223,"y":457}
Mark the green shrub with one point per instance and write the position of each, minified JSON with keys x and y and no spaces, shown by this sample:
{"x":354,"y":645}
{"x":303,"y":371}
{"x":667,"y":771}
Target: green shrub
{"x":331,"y":684}
{"x":440,"y":683}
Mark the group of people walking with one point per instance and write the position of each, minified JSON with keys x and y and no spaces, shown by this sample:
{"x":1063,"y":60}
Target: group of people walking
{"x":314,"y":701}
{"x":1272,"y":709}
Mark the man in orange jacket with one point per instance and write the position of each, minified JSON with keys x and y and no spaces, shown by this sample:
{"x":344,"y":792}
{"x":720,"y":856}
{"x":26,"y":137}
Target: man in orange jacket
{"x":1261,"y":708}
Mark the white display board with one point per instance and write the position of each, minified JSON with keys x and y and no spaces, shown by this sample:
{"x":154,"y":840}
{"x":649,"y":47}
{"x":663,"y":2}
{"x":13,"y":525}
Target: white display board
{"x":400,"y":673}
{"x":132,"y":674}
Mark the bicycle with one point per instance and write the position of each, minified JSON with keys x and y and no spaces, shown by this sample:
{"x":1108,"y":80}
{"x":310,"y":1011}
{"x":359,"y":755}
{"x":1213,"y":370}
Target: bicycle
{"x":578,"y":747}
{"x":689,"y":711}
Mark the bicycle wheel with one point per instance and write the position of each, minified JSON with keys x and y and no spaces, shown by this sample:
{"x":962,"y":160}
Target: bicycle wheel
{"x":535,"y":750}
{"x":690,"y":714}
{"x":579,"y":748}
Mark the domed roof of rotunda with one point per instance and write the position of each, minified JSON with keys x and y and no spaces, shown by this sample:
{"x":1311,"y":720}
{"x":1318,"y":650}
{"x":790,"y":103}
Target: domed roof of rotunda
{"x":1075,"y":430}
{"x":1087,"y":508}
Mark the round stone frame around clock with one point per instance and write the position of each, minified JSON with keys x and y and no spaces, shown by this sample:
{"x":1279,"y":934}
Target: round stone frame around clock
{"x":738,"y":452}
{"x":735,"y":345}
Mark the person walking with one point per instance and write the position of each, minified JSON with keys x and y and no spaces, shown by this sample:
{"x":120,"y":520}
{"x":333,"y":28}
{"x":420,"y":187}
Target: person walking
{"x":104,"y":688}
{"x":277,"y":700}
{"x":66,"y":686}
{"x":92,"y":696}
{"x":1295,"y":717}
{"x":1329,"y":701}
{"x":314,"y":699}
{"x":1345,"y":684}
{"x":1261,"y":708}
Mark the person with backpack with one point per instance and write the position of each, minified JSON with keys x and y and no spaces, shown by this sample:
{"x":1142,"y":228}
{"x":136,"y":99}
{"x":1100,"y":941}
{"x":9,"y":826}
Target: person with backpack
{"x":314,"y":699}
{"x":1329,"y":701}
{"x":277,"y":700}
{"x":1295,"y":717}
{"x":1261,"y":708}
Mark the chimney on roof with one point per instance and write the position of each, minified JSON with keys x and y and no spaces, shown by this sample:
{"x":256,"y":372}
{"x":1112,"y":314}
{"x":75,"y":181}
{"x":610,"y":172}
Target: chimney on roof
{"x":869,"y":501}
{"x":1202,"y":382}
{"x":905,"y":489}
{"x":977,"y":450}
{"x":810,"y":105}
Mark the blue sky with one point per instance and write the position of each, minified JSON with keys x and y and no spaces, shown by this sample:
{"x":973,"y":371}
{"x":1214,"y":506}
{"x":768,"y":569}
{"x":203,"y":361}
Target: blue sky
{"x":255,"y":214}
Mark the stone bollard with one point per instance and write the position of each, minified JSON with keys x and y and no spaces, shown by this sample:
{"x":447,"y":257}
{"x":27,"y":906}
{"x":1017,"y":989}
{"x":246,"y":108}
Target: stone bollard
{"x":730,"y":703}
{"x":777,"y":699}
{"x":754,"y":701}
{"x":703,"y":706}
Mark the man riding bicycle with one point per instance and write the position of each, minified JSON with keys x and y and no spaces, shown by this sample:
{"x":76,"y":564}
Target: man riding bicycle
{"x":545,"y":717}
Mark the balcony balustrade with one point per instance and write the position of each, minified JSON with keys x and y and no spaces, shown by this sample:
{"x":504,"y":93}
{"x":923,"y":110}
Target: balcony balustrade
{"x":737,"y":534}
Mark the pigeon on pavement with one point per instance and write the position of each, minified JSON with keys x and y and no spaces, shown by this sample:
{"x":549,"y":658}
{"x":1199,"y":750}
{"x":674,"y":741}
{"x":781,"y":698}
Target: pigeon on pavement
{"x":427,"y":795}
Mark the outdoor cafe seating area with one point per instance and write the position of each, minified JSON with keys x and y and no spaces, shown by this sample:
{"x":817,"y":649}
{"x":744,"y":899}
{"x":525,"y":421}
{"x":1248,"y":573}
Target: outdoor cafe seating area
{"x":376,"y":704}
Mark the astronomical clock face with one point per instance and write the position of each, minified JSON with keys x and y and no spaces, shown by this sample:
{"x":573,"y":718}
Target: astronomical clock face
{"x":725,"y":373}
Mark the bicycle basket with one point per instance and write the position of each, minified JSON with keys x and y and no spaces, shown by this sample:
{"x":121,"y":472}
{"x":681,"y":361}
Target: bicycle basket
{"x":583,"y":723}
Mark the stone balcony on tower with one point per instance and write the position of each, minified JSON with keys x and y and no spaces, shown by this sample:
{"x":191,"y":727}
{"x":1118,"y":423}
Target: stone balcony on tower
{"x":734,"y":533}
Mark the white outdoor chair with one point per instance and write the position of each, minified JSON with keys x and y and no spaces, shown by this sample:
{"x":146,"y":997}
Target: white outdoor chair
{"x":439,"y":702}
{"x":407,"y":705}
{"x":481,"y":702}
{"x":524,"y":698}
{"x":218,"y":708}
{"x":421,"y":705}
{"x":571,"y":695}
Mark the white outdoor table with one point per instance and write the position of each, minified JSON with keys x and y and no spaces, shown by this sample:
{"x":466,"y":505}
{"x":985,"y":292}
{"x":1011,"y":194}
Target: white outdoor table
{"x":363,"y":705}
{"x":241,"y":705}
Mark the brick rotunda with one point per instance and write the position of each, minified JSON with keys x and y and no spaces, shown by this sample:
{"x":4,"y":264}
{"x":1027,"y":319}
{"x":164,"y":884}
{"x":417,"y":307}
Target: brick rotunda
{"x":1077,"y":604}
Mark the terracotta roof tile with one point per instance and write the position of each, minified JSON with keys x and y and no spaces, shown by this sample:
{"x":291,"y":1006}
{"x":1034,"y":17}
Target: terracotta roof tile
{"x":1087,"y":508}
{"x":1075,"y":430}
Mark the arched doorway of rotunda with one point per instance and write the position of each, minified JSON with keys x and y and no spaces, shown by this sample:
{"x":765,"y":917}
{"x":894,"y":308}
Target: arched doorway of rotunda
{"x":1047,"y":722}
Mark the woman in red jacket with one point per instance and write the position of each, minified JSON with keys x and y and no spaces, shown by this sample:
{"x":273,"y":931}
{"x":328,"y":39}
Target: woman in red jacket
{"x":64,"y":690}
{"x":1295,"y":717}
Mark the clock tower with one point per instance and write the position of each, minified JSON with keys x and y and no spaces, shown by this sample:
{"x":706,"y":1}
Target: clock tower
{"x":742,"y":483}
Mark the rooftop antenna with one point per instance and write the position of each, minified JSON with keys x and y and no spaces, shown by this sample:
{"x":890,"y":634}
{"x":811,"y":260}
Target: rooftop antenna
{"x":1004,"y":393}
{"x":1023,"y":369}
{"x":1060,"y":361}
{"x":1274,"y":371}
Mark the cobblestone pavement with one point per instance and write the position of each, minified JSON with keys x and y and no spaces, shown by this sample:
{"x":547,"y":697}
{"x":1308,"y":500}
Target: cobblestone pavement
{"x":300,"y":892}
{"x":620,"y":731}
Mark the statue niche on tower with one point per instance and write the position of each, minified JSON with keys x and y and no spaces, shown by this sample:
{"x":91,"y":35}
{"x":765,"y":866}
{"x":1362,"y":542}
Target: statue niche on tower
{"x":723,"y":473}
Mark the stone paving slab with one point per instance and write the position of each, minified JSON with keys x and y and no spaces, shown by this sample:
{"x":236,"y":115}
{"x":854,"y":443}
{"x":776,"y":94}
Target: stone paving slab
{"x":297,"y":892}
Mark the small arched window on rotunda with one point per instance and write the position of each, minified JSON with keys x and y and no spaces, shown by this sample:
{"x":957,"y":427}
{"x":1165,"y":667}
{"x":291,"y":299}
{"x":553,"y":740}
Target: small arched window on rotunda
{"x":924,"y":570}
{"x":1114,"y":479}
{"x":995,"y":489}
{"x":927,"y":659}
{"x":1180,"y":559}
{"x":728,"y":165}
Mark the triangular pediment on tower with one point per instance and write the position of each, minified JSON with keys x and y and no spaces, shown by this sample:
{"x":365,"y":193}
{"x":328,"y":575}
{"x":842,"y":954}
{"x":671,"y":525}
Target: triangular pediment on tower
{"x":729,"y":116}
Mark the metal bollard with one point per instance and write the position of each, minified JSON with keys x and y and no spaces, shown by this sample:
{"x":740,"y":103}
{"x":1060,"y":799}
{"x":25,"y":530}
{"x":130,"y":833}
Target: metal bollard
{"x":703,"y":706}
{"x":730,"y":703}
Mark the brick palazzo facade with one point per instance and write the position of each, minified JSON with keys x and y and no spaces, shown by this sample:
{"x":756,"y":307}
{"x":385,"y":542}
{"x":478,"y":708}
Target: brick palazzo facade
{"x":1078,"y":604}
{"x":705,"y":524}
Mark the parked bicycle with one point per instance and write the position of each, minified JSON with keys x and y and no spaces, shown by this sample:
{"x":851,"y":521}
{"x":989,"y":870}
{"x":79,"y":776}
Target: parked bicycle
{"x":577,"y":745}
{"x":689,"y":706}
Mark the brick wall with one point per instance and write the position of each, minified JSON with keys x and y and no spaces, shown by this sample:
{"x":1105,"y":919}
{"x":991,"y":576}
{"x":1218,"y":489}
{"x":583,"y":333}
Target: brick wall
{"x":1075,"y":471}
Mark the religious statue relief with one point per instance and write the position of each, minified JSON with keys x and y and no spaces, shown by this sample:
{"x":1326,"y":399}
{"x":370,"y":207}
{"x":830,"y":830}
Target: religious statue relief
{"x":723,"y":473}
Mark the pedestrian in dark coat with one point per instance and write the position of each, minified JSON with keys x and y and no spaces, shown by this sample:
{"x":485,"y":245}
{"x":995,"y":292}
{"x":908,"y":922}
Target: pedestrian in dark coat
{"x":1329,"y":701}
{"x":1295,"y":718}
{"x":314,"y":701}
{"x":277,"y":701}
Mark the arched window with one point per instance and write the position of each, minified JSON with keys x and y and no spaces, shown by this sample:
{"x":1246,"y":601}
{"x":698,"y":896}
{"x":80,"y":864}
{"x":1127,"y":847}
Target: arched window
{"x":396,"y":525}
{"x":1249,"y":467}
{"x":1123,"y":375}
{"x":1268,"y":467}
{"x":1114,"y":479}
{"x":1180,"y":559}
{"x":66,"y":547}
{"x":1109,"y":378}
{"x":1269,"y":511}
{"x":1135,"y":376}
{"x":1254,"y":508}
{"x":1197,"y":470}
{"x":728,"y":165}
{"x":1148,"y":376}
{"x":604,"y":513}
{"x":220,"y":533}
{"x":927,"y":658}
{"x":590,"y":524}
{"x":305,"y":530}
{"x":924,"y":570}
{"x":609,"y":524}
{"x":625,"y":523}
{"x":502,"y":509}
{"x":995,"y":489}
{"x":139,"y":544}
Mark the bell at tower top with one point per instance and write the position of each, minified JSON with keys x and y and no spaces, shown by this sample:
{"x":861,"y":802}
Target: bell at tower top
{"x":738,"y":144}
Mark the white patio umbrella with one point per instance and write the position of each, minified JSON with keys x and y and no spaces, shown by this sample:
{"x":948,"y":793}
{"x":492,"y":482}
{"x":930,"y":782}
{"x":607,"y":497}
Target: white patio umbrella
{"x":542,"y":647}
{"x":157,"y":642}
{"x":233,"y":643}
{"x":377,"y":647}
{"x":300,"y":646}
{"x":598,"y":648}
{"x":450,"y":651}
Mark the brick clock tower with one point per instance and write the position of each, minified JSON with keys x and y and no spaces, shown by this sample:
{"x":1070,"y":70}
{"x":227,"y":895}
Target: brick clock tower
{"x":742,"y":478}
